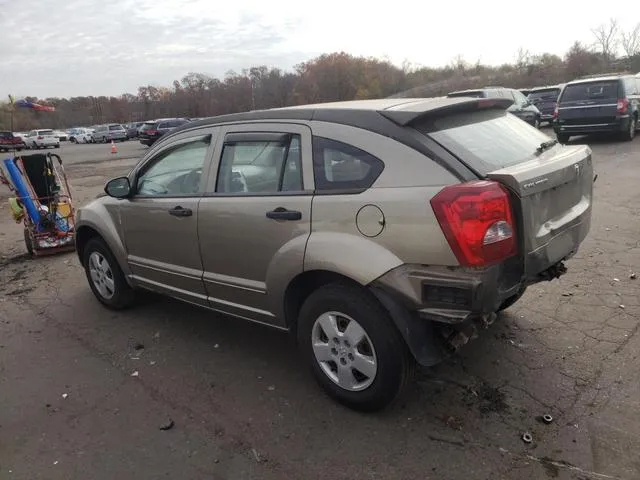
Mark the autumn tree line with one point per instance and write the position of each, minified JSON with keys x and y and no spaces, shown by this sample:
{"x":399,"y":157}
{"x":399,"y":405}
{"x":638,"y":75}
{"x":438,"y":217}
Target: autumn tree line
{"x":333,"y":77}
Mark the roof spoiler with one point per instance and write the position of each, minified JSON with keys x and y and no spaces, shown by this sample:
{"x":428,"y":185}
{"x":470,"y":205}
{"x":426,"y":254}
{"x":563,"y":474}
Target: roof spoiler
{"x":410,"y":113}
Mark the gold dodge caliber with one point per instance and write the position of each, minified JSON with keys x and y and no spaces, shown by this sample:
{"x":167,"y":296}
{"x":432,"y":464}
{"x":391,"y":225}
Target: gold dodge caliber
{"x":381,"y":232}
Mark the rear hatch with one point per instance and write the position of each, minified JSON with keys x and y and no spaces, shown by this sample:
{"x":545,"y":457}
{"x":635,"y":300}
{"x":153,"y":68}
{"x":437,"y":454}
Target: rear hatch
{"x":592,"y":102}
{"x":551,"y":187}
{"x":545,"y":99}
{"x":47,"y":135}
{"x":145,"y":127}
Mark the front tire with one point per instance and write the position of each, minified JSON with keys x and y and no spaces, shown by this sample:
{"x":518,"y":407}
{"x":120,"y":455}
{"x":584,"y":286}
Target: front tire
{"x":105,"y":276}
{"x":355,"y":351}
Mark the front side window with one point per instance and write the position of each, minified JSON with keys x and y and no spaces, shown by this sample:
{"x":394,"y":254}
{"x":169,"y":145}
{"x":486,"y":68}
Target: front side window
{"x":176,"y":172}
{"x":261,"y":166}
{"x":340,"y":166}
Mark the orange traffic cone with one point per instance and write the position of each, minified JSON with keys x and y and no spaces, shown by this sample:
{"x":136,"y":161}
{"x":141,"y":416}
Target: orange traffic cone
{"x":113,"y":147}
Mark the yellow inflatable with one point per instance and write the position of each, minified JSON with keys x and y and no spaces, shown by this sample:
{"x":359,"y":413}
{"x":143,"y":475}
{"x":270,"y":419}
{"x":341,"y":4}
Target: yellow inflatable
{"x":16,"y":209}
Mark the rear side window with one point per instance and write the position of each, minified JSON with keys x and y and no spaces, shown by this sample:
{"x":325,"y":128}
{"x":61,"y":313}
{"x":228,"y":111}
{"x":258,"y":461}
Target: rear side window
{"x":485,"y":140}
{"x":260,"y":166}
{"x":590,"y":91}
{"x":338,"y":166}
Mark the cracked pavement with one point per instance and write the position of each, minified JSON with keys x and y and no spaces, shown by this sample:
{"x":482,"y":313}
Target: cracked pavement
{"x":243,"y":408}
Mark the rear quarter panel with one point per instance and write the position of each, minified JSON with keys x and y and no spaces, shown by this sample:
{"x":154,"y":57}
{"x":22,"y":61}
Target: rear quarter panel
{"x":409,"y":231}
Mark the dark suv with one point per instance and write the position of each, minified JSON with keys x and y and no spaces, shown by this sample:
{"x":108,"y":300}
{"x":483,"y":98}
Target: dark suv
{"x":521,"y":107}
{"x":598,"y":104}
{"x":150,"y":132}
{"x":545,"y":99}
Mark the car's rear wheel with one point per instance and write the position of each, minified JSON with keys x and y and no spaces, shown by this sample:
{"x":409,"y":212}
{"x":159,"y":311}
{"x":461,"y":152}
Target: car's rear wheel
{"x":105,"y":276}
{"x":353,"y":347}
{"x":631,"y":130}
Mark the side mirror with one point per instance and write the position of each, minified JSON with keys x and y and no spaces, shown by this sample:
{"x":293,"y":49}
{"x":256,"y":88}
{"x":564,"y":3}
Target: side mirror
{"x":118,"y":187}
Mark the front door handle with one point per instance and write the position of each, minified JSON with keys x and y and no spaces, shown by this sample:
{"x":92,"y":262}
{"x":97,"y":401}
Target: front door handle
{"x":282,"y":213}
{"x":180,"y":212}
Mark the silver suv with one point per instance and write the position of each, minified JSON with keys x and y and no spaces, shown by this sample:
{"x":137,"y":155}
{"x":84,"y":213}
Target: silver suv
{"x":108,"y":133}
{"x":381,"y":233}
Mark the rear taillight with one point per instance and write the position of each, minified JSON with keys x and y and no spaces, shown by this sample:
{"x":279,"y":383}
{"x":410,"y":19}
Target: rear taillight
{"x":40,"y":137}
{"x":555,"y":113}
{"x":477,"y":220}
{"x":623,"y":105}
{"x":152,"y":132}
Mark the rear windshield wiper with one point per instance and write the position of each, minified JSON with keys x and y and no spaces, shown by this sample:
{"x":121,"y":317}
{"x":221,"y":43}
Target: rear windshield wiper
{"x":546,"y":145}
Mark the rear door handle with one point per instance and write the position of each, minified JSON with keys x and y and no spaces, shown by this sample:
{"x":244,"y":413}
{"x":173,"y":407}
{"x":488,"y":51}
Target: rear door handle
{"x":180,"y":212}
{"x":282,"y":213}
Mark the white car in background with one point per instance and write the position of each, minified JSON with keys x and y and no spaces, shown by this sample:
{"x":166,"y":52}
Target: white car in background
{"x":41,"y":139}
{"x":60,"y":135}
{"x":80,"y":135}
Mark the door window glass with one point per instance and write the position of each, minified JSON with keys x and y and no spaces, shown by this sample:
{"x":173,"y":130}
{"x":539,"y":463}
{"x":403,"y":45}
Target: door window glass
{"x":175,"y":173}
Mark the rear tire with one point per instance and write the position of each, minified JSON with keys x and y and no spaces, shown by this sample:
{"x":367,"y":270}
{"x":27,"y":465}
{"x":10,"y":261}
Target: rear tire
{"x":371,"y":344}
{"x":105,"y":276}
{"x":631,"y":130}
{"x":562,"y":138}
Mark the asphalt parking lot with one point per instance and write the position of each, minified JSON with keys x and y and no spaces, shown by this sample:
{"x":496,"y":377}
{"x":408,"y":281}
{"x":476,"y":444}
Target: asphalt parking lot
{"x":84,"y":391}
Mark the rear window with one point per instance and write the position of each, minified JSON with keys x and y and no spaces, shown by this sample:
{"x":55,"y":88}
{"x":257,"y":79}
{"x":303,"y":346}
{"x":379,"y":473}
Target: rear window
{"x":115,"y":127}
{"x":146,"y":126}
{"x":547,"y":95}
{"x":590,"y":91}
{"x":485,"y":140}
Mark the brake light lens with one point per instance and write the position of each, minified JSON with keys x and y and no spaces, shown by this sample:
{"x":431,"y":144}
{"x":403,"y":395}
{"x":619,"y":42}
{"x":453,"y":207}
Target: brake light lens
{"x":152,"y":132}
{"x":555,"y":113}
{"x":477,"y":221}
{"x":623,"y":105}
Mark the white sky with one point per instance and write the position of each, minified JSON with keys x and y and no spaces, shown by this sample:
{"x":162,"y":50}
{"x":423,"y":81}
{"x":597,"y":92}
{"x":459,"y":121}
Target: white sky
{"x":98,"y":47}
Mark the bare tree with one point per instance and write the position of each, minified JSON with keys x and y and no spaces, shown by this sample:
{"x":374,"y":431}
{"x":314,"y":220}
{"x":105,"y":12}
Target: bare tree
{"x":523,"y":58}
{"x":631,"y":41}
{"x":607,"y":39}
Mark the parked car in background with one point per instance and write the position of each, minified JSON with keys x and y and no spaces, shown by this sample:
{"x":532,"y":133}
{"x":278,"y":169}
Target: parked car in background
{"x":132,"y":129}
{"x":598,"y":104}
{"x":80,"y":135}
{"x":110,"y":132}
{"x":521,"y":106}
{"x":9,"y":141}
{"x":41,"y":139}
{"x":545,"y":99}
{"x":425,"y":224}
{"x":60,"y":135}
{"x":150,"y":132}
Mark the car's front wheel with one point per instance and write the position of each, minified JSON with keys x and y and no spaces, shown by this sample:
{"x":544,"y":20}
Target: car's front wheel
{"x":353,"y":347}
{"x":105,"y":276}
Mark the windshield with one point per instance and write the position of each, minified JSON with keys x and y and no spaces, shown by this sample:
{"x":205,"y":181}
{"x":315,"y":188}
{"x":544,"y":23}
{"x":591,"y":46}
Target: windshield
{"x":486,"y":140}
{"x":550,"y":95}
{"x":590,"y":91}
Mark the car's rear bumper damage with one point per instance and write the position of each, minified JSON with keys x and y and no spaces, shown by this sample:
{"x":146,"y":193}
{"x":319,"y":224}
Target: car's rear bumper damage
{"x":439,"y":309}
